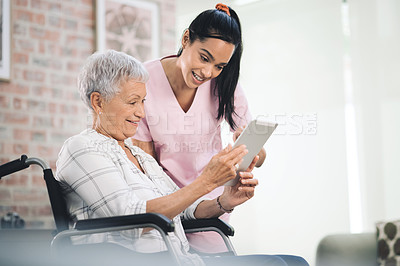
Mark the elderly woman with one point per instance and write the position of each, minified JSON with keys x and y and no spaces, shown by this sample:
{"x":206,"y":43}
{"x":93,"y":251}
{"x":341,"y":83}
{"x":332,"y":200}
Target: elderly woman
{"x":103,"y":175}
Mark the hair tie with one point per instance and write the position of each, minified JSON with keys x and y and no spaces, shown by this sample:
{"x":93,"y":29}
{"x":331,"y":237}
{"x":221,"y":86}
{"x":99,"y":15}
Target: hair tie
{"x":222,"y":7}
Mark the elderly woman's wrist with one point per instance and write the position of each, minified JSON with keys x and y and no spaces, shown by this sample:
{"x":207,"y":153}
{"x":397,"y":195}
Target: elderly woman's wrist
{"x":205,"y":184}
{"x":224,"y":205}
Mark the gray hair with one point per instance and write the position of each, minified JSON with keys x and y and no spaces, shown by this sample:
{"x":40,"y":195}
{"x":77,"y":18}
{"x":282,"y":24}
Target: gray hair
{"x":103,"y":72}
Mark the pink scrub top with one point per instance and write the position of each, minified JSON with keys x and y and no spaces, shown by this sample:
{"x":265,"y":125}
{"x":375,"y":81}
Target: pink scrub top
{"x":185,"y":141}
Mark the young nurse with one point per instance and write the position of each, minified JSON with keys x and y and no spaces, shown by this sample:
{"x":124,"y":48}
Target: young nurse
{"x":188,"y":97}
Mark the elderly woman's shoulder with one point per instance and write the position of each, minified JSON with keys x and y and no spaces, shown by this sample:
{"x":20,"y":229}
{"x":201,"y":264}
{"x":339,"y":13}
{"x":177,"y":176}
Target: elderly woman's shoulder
{"x":86,"y":139}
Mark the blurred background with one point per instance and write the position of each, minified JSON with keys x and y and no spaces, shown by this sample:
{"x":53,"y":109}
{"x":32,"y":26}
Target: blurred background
{"x":326,"y":70}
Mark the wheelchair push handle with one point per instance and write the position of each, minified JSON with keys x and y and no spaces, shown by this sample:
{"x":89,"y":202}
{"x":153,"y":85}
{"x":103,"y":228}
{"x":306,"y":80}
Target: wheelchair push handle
{"x":14,"y":166}
{"x":20,"y":164}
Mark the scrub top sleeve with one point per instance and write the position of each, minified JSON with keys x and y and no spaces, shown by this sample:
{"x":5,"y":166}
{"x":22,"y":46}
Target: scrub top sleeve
{"x":143,"y":132}
{"x":243,"y":115}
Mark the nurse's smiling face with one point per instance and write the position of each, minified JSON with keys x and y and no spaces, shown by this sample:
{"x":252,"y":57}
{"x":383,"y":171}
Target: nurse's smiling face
{"x":201,"y":61}
{"x":119,"y":117}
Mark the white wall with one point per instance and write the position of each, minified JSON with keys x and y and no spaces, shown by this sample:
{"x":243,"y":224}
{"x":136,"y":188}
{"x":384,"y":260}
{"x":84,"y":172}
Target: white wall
{"x":292,"y":65}
{"x":389,"y":85}
{"x":375,"y":51}
{"x":293,"y":70}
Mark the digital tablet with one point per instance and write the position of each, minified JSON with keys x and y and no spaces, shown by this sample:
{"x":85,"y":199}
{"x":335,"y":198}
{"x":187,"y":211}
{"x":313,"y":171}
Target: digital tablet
{"x":254,"y":137}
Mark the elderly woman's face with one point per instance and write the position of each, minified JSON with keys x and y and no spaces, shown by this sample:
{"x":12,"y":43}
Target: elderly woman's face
{"x":121,"y":116}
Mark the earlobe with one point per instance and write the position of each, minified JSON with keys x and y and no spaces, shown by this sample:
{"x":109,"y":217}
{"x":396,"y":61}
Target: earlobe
{"x":96,"y":101}
{"x":185,"y":38}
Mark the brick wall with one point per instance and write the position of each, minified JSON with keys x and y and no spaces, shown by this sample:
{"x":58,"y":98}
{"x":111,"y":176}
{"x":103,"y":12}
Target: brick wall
{"x":39,"y":106}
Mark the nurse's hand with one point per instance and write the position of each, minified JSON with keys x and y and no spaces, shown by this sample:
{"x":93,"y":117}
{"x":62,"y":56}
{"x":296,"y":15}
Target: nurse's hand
{"x":237,"y":133}
{"x":262,"y":154}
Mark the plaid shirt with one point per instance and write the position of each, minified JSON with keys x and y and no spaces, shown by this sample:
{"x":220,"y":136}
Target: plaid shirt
{"x":99,"y":180}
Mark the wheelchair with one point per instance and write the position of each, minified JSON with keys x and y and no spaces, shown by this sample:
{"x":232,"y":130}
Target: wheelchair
{"x":47,"y":247}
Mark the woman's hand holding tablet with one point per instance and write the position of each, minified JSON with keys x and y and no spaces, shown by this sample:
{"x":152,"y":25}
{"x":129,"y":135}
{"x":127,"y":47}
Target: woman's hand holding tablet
{"x":254,"y":137}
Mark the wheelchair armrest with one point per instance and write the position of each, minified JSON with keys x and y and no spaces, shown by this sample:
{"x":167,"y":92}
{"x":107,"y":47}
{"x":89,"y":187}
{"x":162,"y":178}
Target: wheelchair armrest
{"x":200,"y":225}
{"x":160,"y":220}
{"x":116,"y":223}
